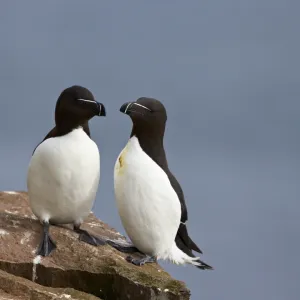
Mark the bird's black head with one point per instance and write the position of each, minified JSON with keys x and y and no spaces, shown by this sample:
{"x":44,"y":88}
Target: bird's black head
{"x":76,"y":106}
{"x":148,"y":115}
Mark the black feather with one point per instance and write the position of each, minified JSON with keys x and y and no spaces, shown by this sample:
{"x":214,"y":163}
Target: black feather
{"x":182,"y":233}
{"x":182,"y":246}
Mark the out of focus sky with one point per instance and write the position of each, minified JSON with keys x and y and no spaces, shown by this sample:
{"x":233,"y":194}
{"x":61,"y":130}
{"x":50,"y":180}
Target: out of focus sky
{"x":228,"y":74}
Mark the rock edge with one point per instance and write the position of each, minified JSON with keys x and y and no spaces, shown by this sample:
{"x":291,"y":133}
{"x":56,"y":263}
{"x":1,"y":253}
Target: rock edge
{"x":80,"y":268}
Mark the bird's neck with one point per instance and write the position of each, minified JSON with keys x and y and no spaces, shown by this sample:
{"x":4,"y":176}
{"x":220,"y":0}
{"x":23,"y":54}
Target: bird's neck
{"x":66,"y":127}
{"x":153,"y":146}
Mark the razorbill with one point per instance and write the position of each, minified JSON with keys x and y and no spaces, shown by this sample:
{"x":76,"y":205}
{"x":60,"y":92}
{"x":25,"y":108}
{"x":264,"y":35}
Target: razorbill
{"x":64,"y":170}
{"x":150,"y":200}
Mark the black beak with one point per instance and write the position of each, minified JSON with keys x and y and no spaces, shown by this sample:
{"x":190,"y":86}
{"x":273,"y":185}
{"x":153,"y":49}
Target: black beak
{"x":124,"y":108}
{"x":97,"y":107}
{"x":101,"y":109}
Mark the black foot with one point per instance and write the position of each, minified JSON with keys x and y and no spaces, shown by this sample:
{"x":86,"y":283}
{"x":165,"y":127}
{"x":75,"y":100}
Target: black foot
{"x":47,"y":244}
{"x":142,"y":261}
{"x":84,"y":236}
{"x":121,"y":247}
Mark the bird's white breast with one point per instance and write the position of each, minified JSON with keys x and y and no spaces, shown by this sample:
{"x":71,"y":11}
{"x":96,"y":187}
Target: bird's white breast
{"x":148,"y":206}
{"x":63,"y":177}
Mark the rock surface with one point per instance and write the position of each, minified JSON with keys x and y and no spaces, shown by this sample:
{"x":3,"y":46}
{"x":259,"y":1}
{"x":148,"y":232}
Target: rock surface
{"x":75,"y":270}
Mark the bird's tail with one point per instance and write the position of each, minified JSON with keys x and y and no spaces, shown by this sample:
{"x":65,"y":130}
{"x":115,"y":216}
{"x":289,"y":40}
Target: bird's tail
{"x":180,"y":258}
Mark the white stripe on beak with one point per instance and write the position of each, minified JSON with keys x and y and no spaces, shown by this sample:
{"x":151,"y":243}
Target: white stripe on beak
{"x":127,"y":107}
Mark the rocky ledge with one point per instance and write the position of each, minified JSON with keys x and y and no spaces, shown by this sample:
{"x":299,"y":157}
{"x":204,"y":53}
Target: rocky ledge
{"x":75,"y":270}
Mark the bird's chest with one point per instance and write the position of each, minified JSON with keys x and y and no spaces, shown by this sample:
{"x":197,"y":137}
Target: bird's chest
{"x":138,"y":179}
{"x":68,"y":162}
{"x":133,"y":165}
{"x":77,"y":154}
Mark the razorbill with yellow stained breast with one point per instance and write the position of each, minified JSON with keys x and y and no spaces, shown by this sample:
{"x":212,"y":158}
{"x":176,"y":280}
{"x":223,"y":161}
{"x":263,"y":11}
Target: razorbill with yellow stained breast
{"x":150,"y":200}
{"x":64,"y":170}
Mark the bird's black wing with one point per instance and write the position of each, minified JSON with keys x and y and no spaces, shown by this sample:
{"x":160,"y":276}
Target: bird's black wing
{"x":183,"y":241}
{"x":51,"y":133}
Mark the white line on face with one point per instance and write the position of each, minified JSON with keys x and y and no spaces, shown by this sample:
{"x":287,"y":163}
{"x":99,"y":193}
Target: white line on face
{"x":142,"y":106}
{"x":86,"y":100}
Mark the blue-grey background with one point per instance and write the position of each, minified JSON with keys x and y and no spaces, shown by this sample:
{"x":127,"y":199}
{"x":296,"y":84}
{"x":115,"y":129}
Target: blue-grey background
{"x":228,"y":74}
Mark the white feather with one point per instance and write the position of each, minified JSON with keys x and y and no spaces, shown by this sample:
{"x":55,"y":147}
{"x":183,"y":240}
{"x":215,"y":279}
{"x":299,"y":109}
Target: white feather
{"x":148,"y":205}
{"x":63,"y":178}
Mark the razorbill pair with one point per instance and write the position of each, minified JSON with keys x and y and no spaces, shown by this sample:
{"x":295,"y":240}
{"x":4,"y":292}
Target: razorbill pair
{"x":64,"y":174}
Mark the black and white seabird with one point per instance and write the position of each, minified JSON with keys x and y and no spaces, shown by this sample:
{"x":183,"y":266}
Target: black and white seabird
{"x":150,"y":200}
{"x":64,"y":171}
